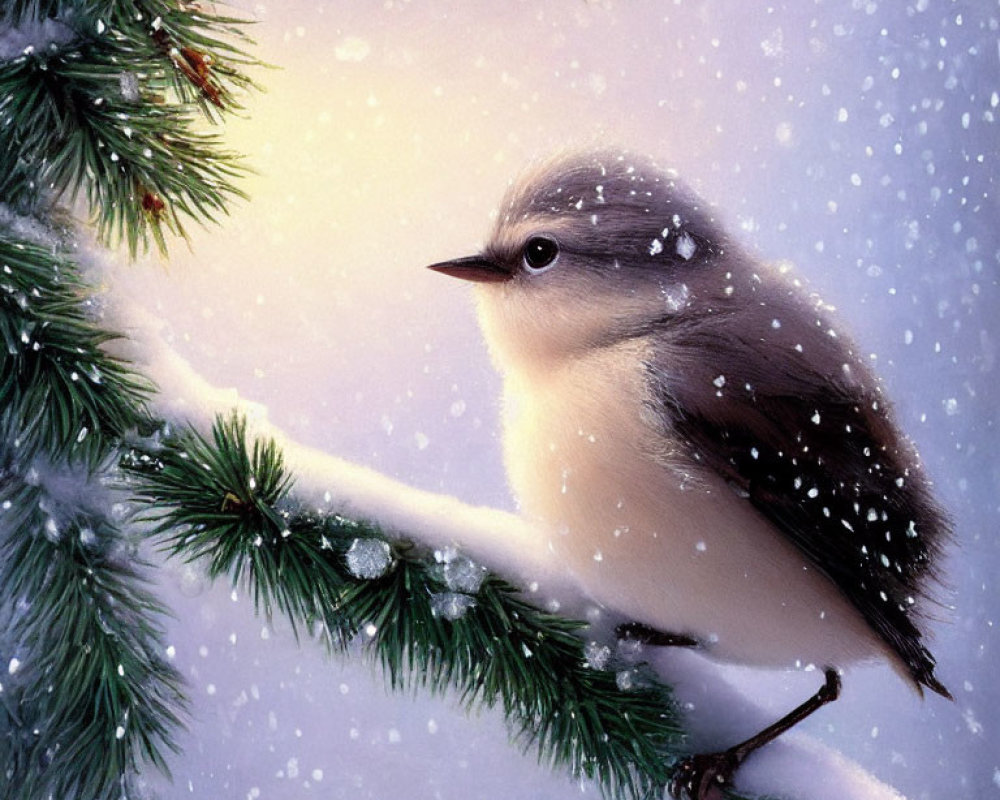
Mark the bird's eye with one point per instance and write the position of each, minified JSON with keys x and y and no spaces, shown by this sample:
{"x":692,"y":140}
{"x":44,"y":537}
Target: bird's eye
{"x":540,"y":253}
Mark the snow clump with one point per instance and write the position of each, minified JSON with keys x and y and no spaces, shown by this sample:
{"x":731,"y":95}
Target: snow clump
{"x":368,"y":558}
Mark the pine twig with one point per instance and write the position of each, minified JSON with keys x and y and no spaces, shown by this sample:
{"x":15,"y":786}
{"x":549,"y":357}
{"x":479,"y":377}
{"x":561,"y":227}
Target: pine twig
{"x":61,"y":394}
{"x":87,"y":696}
{"x":206,"y":52}
{"x":112,"y":115}
{"x":430,"y":622}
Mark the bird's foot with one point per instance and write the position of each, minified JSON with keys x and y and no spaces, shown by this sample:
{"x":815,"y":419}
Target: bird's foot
{"x":704,"y":776}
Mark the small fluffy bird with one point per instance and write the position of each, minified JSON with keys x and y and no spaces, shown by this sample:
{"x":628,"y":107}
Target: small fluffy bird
{"x":714,"y":458}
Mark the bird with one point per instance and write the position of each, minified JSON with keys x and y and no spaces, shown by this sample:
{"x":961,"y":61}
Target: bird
{"x":714,"y":459}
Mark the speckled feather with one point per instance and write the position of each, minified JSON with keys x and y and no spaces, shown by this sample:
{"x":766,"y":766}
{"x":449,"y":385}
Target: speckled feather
{"x":783,"y":409}
{"x":808,"y":436}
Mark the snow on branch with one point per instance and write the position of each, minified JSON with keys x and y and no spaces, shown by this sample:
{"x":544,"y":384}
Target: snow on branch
{"x":795,"y":766}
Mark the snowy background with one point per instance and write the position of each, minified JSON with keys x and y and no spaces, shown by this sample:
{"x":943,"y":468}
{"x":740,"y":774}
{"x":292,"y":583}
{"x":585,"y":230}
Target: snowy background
{"x":855,"y":139}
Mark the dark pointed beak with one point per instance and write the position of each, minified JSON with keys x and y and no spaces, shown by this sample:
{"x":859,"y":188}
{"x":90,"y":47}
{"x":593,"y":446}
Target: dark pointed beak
{"x":474,"y":268}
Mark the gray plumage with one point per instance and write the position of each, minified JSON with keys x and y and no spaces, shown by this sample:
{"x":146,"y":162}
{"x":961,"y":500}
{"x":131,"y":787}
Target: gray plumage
{"x":722,"y":371}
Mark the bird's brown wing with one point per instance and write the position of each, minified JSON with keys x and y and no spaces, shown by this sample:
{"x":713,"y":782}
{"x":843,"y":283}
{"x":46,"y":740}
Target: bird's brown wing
{"x":799,"y":425}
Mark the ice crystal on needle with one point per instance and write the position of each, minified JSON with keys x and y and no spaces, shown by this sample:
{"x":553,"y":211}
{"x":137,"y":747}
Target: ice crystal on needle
{"x":368,"y":558}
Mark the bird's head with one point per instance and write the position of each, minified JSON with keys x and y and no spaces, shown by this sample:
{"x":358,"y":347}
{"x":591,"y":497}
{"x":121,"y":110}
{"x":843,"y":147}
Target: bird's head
{"x":587,"y":249}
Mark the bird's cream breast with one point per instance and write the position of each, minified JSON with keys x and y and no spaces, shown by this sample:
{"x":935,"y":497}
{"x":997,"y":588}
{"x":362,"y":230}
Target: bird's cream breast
{"x":649,"y":535}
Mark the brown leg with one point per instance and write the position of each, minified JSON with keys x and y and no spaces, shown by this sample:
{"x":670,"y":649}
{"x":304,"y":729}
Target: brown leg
{"x":698,"y":775}
{"x":638,"y":632}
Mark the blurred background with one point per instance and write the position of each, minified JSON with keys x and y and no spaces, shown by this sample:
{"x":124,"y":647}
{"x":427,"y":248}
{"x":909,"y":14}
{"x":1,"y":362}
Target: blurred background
{"x":854,"y":138}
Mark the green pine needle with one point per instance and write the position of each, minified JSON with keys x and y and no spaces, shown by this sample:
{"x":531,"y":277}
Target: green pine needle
{"x":88,"y":698}
{"x":228,"y":504}
{"x":139,"y":164}
{"x":112,"y":115}
{"x":61,"y":393}
{"x":182,"y":35}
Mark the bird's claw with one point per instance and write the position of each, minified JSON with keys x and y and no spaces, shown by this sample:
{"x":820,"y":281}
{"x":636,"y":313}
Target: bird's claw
{"x":697,"y":776}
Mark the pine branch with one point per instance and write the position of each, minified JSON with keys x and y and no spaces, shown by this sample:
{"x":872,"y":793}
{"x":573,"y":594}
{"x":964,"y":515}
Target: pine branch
{"x":434,"y":622}
{"x":207,"y":63}
{"x":111,"y":114}
{"x":201,"y":55}
{"x":105,"y":108}
{"x":72,"y":604}
{"x":87,"y":696}
{"x":61,"y":393}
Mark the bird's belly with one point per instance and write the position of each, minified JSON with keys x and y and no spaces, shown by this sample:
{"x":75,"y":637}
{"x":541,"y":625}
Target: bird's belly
{"x":679,"y":551}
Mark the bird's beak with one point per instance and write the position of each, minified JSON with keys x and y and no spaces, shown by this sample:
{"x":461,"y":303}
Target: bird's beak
{"x":474,"y":268}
